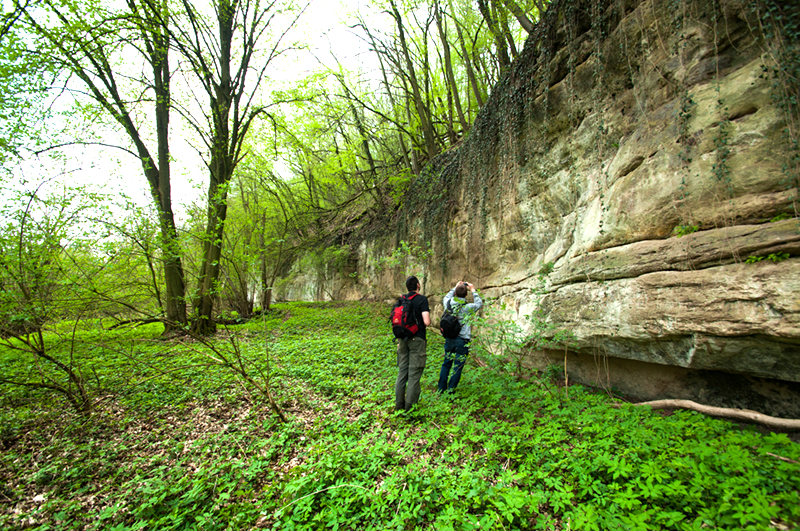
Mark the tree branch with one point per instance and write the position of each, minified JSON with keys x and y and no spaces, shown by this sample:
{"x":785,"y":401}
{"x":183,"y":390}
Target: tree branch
{"x":724,"y":412}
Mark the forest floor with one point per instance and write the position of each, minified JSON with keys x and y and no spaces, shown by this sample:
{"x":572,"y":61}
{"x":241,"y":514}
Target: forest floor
{"x":176,"y":441}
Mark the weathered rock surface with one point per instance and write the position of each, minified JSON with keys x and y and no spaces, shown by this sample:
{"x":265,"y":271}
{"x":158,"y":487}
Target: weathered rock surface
{"x":730,"y":318}
{"x":695,"y":251}
{"x":589,"y":156}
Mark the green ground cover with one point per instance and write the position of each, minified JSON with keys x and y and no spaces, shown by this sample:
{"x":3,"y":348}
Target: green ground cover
{"x":177,"y":444}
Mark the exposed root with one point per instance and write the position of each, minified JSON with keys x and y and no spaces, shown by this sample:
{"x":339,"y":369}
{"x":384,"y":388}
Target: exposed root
{"x":724,"y":412}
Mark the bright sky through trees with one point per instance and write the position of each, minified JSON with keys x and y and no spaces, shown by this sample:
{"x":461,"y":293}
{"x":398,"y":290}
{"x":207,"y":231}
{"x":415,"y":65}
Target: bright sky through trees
{"x":321,"y":33}
{"x":330,"y":36}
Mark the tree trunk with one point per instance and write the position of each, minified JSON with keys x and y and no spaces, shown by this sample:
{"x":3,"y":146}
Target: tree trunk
{"x":502,"y":22}
{"x":370,"y":161}
{"x":157,"y":44}
{"x":203,"y":323}
{"x":266,"y":289}
{"x":422,"y":111}
{"x":370,"y":187}
{"x":268,"y":281}
{"x":415,"y":164}
{"x":483,"y":68}
{"x":101,"y":85}
{"x":520,"y":15}
{"x":473,"y":80}
{"x":409,"y":163}
{"x":448,"y":64}
{"x":225,"y":143}
{"x":499,"y":38}
{"x":173,"y":268}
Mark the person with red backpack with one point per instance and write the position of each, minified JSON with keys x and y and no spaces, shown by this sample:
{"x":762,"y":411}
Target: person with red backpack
{"x":410,"y":317}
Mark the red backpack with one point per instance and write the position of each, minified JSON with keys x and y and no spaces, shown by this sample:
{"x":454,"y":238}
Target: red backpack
{"x":404,"y":322}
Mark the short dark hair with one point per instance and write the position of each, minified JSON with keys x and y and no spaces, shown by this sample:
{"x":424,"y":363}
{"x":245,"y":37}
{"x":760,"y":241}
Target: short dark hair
{"x":412,"y":283}
{"x":461,"y":290}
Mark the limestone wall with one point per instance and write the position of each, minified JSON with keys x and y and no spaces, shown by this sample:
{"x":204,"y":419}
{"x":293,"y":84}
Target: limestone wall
{"x":640,"y":148}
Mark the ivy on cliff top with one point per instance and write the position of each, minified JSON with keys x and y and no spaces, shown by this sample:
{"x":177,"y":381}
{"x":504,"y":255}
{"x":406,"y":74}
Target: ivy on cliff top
{"x":475,"y":174}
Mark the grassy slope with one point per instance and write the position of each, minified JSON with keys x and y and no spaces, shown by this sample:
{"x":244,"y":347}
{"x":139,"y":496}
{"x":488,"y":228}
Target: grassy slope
{"x":198,"y":452}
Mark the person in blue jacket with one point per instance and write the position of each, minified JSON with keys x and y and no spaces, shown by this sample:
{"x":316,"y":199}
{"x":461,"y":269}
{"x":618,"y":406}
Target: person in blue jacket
{"x":457,"y":349}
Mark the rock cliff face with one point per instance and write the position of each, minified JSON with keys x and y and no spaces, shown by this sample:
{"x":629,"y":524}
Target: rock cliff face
{"x":640,"y":152}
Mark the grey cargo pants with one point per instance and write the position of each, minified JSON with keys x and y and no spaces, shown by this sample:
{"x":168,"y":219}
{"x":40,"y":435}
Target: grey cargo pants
{"x":411,"y":358}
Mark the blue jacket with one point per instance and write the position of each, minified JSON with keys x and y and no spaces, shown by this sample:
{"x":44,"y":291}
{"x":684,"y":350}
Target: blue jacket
{"x":463,"y":310}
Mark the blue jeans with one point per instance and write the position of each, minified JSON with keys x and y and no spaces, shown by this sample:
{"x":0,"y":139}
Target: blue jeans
{"x":455,"y":355}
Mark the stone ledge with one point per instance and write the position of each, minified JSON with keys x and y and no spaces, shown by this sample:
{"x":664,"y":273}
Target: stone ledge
{"x":699,"y":250}
{"x":735,"y":317}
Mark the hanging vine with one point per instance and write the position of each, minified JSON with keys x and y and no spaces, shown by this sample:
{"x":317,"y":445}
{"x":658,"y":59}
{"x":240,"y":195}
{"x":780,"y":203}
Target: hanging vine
{"x":598,"y":73}
{"x":779,"y":24}
{"x":685,"y":110}
{"x":571,"y":26}
{"x":722,"y":150}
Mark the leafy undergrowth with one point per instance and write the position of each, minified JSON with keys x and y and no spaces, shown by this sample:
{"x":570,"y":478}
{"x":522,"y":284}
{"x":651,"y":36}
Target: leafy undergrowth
{"x":193,"y":449}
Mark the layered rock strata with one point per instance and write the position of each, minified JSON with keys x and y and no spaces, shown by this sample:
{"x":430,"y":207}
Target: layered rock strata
{"x":639,"y":152}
